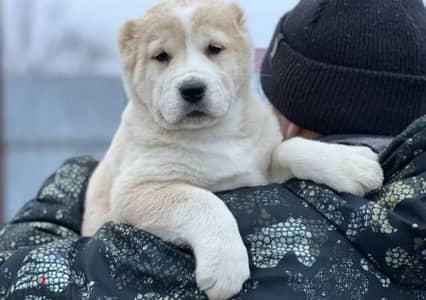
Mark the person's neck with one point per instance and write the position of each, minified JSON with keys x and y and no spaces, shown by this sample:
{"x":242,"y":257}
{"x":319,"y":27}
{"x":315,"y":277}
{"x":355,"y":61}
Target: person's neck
{"x":290,"y":129}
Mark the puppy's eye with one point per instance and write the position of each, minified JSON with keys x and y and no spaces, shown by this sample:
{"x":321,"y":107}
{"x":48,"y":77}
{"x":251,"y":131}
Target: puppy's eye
{"x":162,"y":57}
{"x":214,"y":49}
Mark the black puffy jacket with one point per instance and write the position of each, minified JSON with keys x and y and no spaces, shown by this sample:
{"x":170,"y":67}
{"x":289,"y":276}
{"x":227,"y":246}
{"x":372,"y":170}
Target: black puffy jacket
{"x":305,"y":241}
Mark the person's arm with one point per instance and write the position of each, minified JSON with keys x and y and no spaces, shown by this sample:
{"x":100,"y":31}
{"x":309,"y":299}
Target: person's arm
{"x":389,"y":226}
{"x":56,"y":212}
{"x":42,"y":253}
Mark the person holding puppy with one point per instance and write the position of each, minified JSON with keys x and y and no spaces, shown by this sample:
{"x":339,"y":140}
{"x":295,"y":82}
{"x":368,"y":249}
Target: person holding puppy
{"x":350,"y":72}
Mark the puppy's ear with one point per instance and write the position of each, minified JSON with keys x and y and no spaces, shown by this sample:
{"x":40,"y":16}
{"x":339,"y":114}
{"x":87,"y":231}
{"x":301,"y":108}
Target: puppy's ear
{"x":238,"y":14}
{"x":126,"y":38}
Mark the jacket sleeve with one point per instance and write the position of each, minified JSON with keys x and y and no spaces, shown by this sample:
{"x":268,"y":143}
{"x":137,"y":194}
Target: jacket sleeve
{"x":403,"y":201}
{"x":389,"y":225}
{"x":56,"y":212}
{"x":42,"y":255}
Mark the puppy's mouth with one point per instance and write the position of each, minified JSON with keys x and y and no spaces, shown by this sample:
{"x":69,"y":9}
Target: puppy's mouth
{"x":196,"y":114}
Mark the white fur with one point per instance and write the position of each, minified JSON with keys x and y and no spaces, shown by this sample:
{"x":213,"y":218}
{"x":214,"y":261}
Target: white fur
{"x":161,"y":169}
{"x":218,"y":245}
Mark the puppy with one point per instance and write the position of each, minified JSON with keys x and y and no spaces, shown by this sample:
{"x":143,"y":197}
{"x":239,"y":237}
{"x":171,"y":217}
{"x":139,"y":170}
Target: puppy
{"x":193,"y":126}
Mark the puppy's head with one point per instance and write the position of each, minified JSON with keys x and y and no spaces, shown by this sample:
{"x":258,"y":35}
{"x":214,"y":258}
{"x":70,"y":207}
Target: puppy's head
{"x":187,"y":61}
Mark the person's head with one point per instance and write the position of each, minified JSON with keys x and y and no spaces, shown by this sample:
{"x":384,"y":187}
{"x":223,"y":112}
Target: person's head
{"x":348,"y":67}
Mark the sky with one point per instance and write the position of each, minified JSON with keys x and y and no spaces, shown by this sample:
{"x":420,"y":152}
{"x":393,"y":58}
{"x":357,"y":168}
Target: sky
{"x":80,"y":35}
{"x":75,"y":36}
{"x":262,"y":15}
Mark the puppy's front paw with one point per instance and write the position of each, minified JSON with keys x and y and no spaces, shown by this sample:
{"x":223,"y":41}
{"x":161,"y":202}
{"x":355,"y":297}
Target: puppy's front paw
{"x":356,"y":170}
{"x":221,"y":271}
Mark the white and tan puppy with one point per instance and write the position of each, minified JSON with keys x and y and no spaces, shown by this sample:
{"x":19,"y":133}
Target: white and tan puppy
{"x":192,"y":127}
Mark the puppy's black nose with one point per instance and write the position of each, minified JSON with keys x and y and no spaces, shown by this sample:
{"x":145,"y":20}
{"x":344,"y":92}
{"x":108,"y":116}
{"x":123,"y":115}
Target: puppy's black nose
{"x":193,"y":91}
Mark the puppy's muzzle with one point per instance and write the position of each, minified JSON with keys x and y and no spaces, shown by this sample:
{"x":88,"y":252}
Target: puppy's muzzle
{"x":193,"y":91}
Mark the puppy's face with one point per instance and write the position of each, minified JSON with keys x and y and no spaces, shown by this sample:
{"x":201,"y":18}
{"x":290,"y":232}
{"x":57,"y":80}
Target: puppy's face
{"x":187,"y":61}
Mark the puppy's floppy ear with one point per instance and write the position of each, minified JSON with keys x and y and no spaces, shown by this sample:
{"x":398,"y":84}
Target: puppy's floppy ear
{"x":126,"y":38}
{"x":238,"y":14}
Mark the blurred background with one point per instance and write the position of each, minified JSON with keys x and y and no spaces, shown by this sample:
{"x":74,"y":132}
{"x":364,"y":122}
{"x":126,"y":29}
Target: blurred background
{"x":60,"y":87}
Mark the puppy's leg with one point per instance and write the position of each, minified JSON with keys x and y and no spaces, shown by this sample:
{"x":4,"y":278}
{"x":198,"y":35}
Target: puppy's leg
{"x":183,"y":214}
{"x":348,"y":169}
{"x":96,"y":207}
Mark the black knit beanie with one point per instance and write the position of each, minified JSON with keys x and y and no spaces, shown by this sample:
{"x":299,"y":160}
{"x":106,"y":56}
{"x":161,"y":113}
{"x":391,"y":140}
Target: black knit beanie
{"x":349,"y":66}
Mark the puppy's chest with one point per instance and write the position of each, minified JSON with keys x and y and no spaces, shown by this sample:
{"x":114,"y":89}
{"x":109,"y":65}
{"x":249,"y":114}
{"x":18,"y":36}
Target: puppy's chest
{"x":216,"y":166}
{"x":230,"y":166}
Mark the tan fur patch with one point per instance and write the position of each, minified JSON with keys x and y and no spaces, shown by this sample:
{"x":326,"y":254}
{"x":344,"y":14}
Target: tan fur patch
{"x":230,"y":19}
{"x":136,"y":34}
{"x":147,"y":205}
